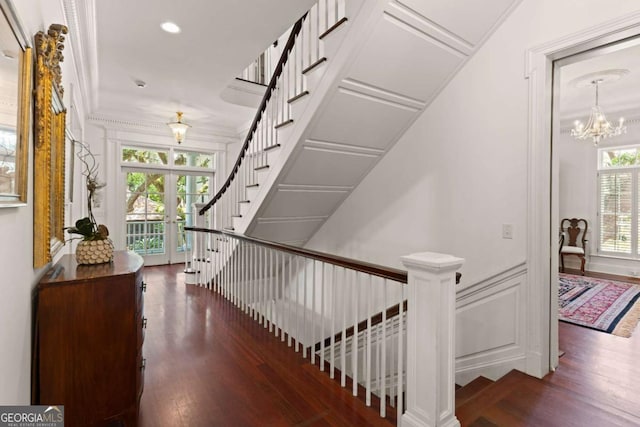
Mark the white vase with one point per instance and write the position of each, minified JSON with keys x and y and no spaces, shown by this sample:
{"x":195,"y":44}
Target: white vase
{"x":94,"y":251}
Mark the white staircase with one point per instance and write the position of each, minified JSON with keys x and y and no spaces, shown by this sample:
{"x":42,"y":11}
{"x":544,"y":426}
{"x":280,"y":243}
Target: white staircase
{"x":344,"y":98}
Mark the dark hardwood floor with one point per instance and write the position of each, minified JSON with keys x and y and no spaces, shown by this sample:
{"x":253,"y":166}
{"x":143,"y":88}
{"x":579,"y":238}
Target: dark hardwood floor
{"x":597,"y":383}
{"x":208,"y":364}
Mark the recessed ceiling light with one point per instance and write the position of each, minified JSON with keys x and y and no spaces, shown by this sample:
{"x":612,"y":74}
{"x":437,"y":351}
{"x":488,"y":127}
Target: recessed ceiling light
{"x":170,"y":27}
{"x":9,"y":54}
{"x":140,"y":83}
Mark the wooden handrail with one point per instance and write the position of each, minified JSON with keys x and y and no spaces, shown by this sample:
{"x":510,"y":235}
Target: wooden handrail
{"x":263,"y":105}
{"x":353,"y":264}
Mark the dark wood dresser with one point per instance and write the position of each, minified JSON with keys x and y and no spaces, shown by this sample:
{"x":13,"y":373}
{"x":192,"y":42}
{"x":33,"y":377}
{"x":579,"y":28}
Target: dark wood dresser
{"x":89,"y":330}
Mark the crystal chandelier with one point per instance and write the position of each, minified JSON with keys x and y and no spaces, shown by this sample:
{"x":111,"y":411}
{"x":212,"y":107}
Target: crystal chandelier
{"x":179,"y":128}
{"x":597,"y":127}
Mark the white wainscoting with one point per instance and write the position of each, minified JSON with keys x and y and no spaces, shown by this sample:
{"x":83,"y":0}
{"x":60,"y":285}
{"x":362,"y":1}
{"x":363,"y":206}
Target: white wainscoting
{"x":491,"y":326}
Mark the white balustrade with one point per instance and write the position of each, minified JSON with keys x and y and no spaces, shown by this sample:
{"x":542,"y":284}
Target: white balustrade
{"x":335,"y":314}
{"x":290,"y":84}
{"x":349,"y":321}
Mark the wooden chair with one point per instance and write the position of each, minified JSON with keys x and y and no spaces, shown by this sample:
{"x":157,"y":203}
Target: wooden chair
{"x":577,"y":242}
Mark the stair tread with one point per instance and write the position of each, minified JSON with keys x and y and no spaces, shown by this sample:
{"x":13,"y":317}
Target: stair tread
{"x":272,"y":147}
{"x":298,"y":96}
{"x":468,"y":391}
{"x":314,"y":65}
{"x":333,"y":28}
{"x":286,"y":122}
{"x":509,"y":401}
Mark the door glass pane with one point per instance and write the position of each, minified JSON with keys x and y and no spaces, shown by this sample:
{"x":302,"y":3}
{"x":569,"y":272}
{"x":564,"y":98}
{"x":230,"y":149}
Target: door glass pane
{"x":193,"y":159}
{"x":145,"y":213}
{"x":190,"y":189}
{"x":149,"y":157}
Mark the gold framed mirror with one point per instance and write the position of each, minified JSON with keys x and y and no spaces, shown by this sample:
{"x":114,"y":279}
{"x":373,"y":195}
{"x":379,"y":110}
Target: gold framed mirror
{"x":16,"y":64}
{"x":49,"y":141}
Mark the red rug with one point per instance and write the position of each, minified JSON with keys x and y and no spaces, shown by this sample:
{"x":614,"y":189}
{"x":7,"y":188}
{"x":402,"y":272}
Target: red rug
{"x":604,"y":305}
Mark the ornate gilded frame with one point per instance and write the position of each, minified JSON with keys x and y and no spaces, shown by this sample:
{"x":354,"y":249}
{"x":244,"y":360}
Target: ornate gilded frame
{"x":49,"y":141}
{"x":18,"y":197}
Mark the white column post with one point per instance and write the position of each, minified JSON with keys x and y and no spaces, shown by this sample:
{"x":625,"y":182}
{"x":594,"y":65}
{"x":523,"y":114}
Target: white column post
{"x":431,"y":314}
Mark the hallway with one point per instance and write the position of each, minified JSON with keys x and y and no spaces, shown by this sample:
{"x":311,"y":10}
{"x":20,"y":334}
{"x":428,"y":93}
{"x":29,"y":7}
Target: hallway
{"x":209,"y":364}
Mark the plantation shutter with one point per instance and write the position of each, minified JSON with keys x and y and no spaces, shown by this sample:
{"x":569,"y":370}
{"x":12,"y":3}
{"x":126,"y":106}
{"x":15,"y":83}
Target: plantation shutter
{"x":616,"y":212}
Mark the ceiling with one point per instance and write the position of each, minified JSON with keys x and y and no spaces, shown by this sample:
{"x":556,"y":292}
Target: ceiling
{"x":119,"y":42}
{"x":618,"y":97}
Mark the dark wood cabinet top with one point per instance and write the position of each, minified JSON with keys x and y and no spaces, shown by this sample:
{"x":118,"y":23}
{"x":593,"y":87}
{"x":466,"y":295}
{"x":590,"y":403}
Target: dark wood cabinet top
{"x":68,"y":271}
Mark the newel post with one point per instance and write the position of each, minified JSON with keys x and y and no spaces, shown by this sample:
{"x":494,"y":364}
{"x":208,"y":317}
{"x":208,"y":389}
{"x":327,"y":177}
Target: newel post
{"x":431,"y":315}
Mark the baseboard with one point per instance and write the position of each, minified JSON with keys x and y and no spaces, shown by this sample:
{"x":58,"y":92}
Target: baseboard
{"x":493,"y":370}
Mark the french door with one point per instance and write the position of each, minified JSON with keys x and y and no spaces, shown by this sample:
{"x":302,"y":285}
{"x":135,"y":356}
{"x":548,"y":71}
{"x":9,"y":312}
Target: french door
{"x":158,"y":206}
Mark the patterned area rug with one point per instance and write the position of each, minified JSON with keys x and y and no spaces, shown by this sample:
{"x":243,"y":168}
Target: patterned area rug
{"x":605,"y":305}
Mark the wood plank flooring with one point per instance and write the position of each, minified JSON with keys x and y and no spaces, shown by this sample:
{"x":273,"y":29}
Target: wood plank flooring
{"x":208,"y":364}
{"x":597,"y":383}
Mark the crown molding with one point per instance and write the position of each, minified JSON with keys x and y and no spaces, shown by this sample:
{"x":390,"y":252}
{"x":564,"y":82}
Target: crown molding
{"x":80,"y":17}
{"x":222,"y":134}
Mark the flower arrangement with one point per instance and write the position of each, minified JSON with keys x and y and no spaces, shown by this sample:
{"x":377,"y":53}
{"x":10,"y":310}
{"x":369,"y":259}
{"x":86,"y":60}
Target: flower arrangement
{"x":96,"y":247}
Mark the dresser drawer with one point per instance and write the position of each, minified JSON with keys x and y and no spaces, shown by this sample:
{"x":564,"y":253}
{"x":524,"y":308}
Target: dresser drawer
{"x":141,"y":287}
{"x":141,"y":323}
{"x":88,"y":340}
{"x":142,"y":364}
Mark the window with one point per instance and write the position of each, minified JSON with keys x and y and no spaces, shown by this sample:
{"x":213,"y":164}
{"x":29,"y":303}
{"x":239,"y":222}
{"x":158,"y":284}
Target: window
{"x":142,"y":156}
{"x":160,"y":158}
{"x":7,"y":161}
{"x":618,"y":208}
{"x":193,"y":159}
{"x":160,"y":188}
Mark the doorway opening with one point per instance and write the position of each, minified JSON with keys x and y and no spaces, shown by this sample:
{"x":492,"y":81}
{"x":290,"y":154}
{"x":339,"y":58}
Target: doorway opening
{"x":595,"y":162}
{"x":160,"y":188}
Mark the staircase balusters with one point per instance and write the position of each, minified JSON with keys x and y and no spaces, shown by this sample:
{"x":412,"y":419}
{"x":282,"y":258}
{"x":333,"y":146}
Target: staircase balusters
{"x":369,"y":371}
{"x":333,"y":313}
{"x":383,"y":351}
{"x":354,"y":342}
{"x":287,"y":83}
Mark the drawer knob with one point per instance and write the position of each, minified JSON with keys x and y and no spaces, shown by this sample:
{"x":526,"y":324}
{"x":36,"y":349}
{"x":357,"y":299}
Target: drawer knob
{"x":143,"y":364}
{"x":144,"y":322}
{"x":143,"y":286}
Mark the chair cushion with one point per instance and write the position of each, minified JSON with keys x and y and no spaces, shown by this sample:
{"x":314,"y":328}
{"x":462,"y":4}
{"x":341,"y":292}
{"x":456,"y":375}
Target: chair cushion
{"x":572,"y":250}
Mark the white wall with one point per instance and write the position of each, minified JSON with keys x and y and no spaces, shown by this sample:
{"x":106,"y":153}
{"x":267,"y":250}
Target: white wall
{"x":579,"y":195}
{"x":16,"y":247}
{"x":457,"y":175}
{"x":460,"y":171}
{"x":577,"y":180}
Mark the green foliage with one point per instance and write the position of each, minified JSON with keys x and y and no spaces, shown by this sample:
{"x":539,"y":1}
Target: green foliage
{"x":144,"y":156}
{"x":147,"y":245}
{"x":89,"y":230}
{"x":621,"y":158}
{"x":625,"y":159}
